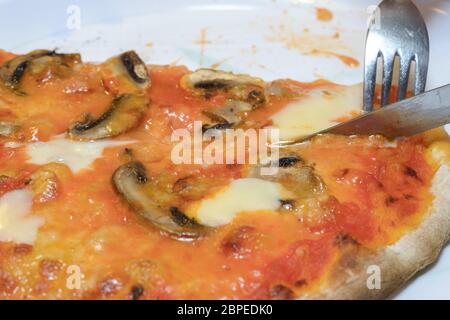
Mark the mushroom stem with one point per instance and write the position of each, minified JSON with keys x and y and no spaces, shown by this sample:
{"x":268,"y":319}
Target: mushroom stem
{"x":12,"y":71}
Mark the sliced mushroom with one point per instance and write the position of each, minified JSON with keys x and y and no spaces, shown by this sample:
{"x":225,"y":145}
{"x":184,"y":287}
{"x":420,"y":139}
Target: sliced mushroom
{"x":232,"y":113}
{"x":130,"y":67}
{"x":244,"y":94}
{"x":281,"y":292}
{"x":306,"y":194}
{"x":8,"y":129}
{"x":240,"y":87}
{"x":124,"y":114}
{"x":136,"y":67}
{"x":136,"y":188}
{"x":287,"y":205}
{"x":302,"y":181}
{"x":216,"y":79}
{"x":12,"y":71}
{"x":297,"y":177}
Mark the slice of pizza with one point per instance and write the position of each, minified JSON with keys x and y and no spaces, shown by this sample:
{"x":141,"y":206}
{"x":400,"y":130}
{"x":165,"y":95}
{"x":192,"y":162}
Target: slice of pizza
{"x":125,"y":181}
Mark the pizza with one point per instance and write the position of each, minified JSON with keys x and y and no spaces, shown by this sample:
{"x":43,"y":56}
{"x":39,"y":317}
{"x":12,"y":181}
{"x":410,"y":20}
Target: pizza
{"x":98,"y":200}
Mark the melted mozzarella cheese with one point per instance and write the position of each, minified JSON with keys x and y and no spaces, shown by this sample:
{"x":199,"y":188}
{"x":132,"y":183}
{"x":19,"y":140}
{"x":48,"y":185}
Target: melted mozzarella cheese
{"x":77,"y":155}
{"x":317,"y":110}
{"x":439,"y":152}
{"x":15,"y":223}
{"x":242,"y":195}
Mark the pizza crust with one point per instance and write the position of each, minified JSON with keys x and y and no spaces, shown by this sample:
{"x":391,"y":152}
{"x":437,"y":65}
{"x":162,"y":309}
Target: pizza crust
{"x":398,"y":262}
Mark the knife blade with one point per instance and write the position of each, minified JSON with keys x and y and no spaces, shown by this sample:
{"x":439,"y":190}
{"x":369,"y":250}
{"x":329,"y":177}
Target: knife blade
{"x":401,"y":119}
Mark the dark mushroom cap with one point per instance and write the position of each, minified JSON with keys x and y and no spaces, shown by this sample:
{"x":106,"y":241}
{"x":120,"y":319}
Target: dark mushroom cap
{"x":125,"y":113}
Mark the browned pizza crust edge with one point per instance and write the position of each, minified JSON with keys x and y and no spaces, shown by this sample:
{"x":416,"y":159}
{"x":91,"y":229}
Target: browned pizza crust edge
{"x":399,"y":262}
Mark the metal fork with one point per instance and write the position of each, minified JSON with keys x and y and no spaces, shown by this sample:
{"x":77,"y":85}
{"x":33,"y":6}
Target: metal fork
{"x":397,"y":29}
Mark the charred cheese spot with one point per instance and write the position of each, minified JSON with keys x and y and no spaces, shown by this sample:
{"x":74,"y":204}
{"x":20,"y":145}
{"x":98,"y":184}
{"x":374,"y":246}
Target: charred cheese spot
{"x":110,"y":286}
{"x":411,"y":173}
{"x":36,"y":62}
{"x":301,"y":283}
{"x":22,"y":249}
{"x":136,"y":292}
{"x":241,"y":242}
{"x":49,"y":269}
{"x":281,"y":292}
{"x":124,"y":114}
{"x":344,"y":240}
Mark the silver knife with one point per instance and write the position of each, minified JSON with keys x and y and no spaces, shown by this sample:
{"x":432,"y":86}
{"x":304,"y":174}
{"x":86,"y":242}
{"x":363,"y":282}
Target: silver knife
{"x":401,"y":119}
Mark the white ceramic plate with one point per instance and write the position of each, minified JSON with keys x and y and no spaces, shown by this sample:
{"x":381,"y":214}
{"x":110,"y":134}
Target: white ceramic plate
{"x":268,"y":38}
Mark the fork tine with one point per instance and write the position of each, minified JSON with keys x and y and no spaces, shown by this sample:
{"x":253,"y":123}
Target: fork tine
{"x":405,"y":64}
{"x":370,"y":73}
{"x":388,"y":71}
{"x":421,"y":74}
